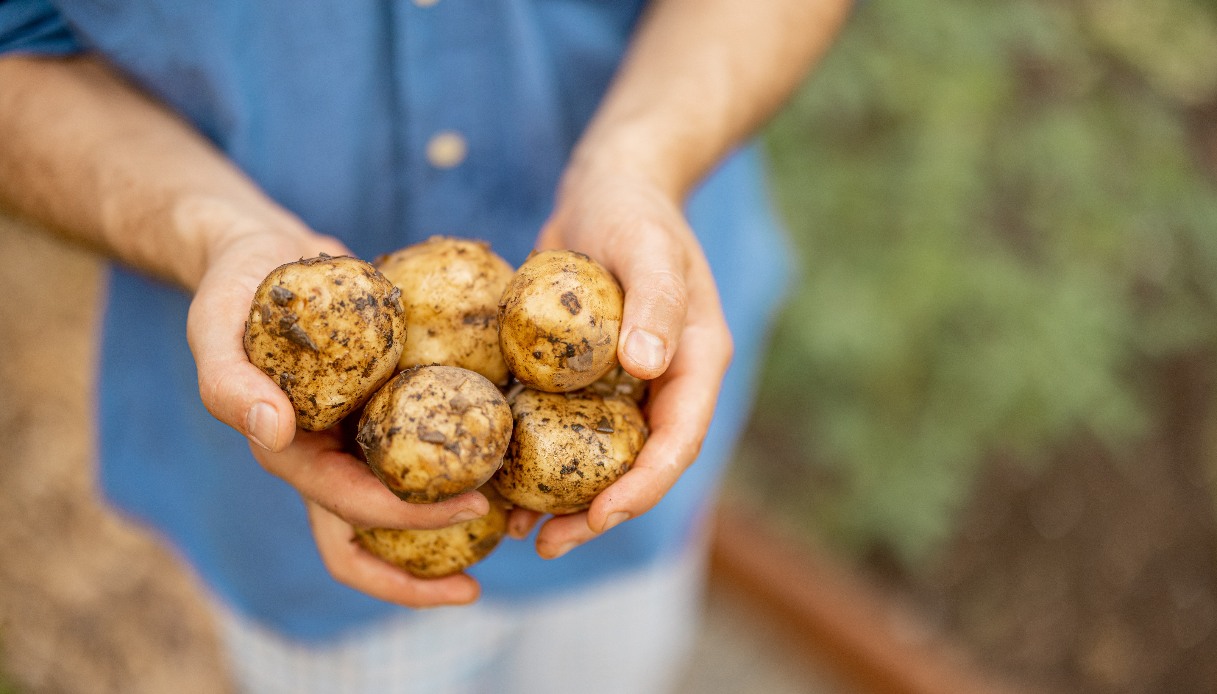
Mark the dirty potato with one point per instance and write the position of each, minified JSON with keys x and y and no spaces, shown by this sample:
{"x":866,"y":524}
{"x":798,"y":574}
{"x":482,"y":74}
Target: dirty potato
{"x":444,"y":551}
{"x":434,"y":432}
{"x":559,"y":320}
{"x":568,"y":447}
{"x":451,"y":289}
{"x":618,"y":381}
{"x":329,"y":331}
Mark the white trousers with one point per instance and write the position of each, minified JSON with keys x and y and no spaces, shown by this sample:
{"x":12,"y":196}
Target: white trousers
{"x":632,"y":634}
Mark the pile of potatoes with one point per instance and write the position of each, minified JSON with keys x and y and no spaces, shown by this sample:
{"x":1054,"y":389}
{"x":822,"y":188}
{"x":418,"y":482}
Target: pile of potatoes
{"x":459,"y":373}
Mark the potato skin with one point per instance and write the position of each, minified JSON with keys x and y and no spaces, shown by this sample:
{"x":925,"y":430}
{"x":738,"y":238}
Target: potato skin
{"x":568,"y":447}
{"x":329,"y":331}
{"x":434,"y":432}
{"x":618,"y":381}
{"x":559,"y":320}
{"x":444,"y":551}
{"x":451,"y":289}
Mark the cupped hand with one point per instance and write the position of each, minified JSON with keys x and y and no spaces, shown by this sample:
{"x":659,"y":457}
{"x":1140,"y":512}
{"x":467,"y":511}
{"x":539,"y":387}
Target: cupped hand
{"x":673,"y":333}
{"x":339,"y":490}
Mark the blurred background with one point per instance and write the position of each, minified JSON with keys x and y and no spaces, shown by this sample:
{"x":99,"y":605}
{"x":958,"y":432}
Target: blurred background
{"x":989,"y":408}
{"x":994,"y":386}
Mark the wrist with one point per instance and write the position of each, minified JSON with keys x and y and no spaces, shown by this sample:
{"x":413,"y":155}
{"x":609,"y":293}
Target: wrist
{"x":216,"y":226}
{"x":634,"y":150}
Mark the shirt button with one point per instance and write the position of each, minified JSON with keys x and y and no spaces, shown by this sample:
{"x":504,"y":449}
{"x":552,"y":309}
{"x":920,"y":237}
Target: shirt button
{"x":425,"y":3}
{"x":446,"y":149}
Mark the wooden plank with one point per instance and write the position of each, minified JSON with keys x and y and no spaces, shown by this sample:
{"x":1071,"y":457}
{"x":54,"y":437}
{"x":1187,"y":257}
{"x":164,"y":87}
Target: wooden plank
{"x":870,"y":641}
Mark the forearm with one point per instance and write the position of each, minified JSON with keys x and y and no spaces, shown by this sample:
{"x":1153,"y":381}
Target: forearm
{"x":700,"y":76}
{"x":85,"y":153}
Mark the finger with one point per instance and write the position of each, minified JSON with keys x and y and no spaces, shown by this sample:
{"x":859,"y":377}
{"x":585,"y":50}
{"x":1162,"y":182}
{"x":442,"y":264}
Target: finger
{"x":656,"y":299}
{"x":352,"y":566}
{"x":233,"y":390}
{"x":561,"y":534}
{"x":680,"y":411}
{"x":679,"y":423}
{"x":674,"y":443}
{"x":521,"y":521}
{"x":649,"y":256}
{"x":325,"y":474}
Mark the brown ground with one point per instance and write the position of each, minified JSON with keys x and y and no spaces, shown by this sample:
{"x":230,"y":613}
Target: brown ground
{"x":88,"y":603}
{"x":1098,"y":575}
{"x":1094,"y":573}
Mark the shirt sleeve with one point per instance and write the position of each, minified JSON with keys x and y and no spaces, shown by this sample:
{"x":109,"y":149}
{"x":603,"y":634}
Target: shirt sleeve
{"x":35,"y":27}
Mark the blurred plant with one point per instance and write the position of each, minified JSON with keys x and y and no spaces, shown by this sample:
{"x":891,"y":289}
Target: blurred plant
{"x":1001,"y":216}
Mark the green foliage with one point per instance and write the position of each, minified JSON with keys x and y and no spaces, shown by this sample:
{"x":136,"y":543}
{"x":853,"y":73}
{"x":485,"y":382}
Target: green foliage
{"x":1001,"y":217}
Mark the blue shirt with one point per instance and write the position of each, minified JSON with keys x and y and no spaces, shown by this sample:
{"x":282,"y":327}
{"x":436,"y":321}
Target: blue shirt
{"x":330,"y":107}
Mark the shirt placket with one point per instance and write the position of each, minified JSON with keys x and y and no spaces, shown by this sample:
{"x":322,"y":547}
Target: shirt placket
{"x":481,"y":149}
{"x":438,"y":125}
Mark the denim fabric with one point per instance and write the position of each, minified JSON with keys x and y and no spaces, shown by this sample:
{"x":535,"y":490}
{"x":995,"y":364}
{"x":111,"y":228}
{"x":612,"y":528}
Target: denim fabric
{"x":329,"y":106}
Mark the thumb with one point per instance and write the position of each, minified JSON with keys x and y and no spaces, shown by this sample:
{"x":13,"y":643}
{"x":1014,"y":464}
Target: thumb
{"x":232,"y":389}
{"x":653,"y":274}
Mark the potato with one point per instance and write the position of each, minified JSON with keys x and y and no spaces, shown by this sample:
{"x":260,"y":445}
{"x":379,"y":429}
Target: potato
{"x":329,"y":331}
{"x":618,"y":381}
{"x":568,"y":447}
{"x":441,"y":552}
{"x":559,"y":320}
{"x":434,"y":432}
{"x":450,"y":289}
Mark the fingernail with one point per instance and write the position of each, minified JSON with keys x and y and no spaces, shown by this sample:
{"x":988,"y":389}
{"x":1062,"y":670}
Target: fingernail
{"x":262,"y":423}
{"x":616,"y":519}
{"x":519,"y":529}
{"x":645,"y":349}
{"x":464,"y":515}
{"x":563,"y":549}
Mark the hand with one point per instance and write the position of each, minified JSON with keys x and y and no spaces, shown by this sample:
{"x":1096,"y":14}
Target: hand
{"x":673,"y":331}
{"x":339,"y":490}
